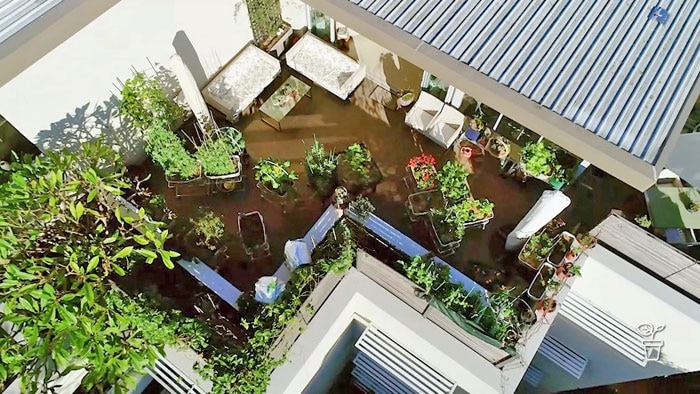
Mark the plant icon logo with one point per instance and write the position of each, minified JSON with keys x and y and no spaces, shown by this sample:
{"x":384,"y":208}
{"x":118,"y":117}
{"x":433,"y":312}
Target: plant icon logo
{"x":652,"y":347}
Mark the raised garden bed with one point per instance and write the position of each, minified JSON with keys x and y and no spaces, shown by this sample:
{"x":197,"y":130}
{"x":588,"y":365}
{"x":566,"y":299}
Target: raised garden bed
{"x":357,"y":171}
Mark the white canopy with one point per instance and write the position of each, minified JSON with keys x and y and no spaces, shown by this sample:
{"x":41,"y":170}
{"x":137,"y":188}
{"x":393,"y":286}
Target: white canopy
{"x":190,"y":90}
{"x":549,"y":205}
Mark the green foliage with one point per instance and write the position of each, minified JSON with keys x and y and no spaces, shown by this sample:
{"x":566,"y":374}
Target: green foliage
{"x":495,"y":317}
{"x":359,"y":159}
{"x":346,"y":257}
{"x":643,"y":221}
{"x":424,"y":272}
{"x":144,"y":103}
{"x":61,"y":240}
{"x":459,"y":215}
{"x":209,"y":229}
{"x":168,"y":151}
{"x":362,"y":207}
{"x":276,"y":174}
{"x":453,"y":181}
{"x":215,"y":157}
{"x":318,"y":162}
{"x":538,"y":246}
{"x":540,"y":159}
{"x":265,"y":18}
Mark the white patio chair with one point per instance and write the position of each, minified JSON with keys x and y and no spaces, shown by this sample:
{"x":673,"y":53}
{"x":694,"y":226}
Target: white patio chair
{"x":446,"y":126}
{"x":421,"y":115}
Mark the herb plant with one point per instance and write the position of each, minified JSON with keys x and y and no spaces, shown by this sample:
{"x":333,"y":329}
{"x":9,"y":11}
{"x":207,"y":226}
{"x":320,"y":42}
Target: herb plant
{"x":539,"y":159}
{"x":538,"y":247}
{"x":276,"y":174}
{"x":318,"y":162}
{"x":168,"y":151}
{"x":359,"y":158}
{"x":209,"y":229}
{"x":215,"y":155}
{"x":362,"y":207}
{"x":425,"y":273}
{"x":453,"y":181}
{"x":144,"y":103}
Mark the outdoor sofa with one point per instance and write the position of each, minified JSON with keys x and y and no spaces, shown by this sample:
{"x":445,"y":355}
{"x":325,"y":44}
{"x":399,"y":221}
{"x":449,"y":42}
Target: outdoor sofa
{"x":326,"y":66}
{"x":241,"y":81}
{"x":438,"y":121}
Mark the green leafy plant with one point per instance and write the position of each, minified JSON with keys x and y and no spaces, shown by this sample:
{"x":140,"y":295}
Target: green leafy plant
{"x":362,"y":207}
{"x":453,"y":181}
{"x":346,"y":257}
{"x":265,"y":18}
{"x":538,"y":247}
{"x":539,"y":159}
{"x":424,"y":272}
{"x":144,"y":103}
{"x":318,"y":162}
{"x":63,"y":239}
{"x":209,"y":229}
{"x":359,"y":158}
{"x":276,"y":174}
{"x":168,"y":151}
{"x":643,"y":221}
{"x":459,"y":215}
{"x":215,"y":155}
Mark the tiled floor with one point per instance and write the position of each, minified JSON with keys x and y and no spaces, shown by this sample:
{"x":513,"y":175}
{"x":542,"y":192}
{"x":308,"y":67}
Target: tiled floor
{"x":338,"y":124}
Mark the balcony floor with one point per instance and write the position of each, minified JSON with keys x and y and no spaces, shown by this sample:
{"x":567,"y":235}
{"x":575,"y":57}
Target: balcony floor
{"x":338,"y":124}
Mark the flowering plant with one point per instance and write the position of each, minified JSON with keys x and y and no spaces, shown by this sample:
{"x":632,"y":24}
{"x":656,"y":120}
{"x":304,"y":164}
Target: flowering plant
{"x":423,"y":168}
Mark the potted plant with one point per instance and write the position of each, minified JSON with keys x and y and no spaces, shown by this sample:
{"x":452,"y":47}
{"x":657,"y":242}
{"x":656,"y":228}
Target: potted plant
{"x":543,"y":282}
{"x":144,"y":103}
{"x":475,"y":127}
{"x":560,"y":249}
{"x":423,"y":170}
{"x":356,"y":169}
{"x":361,"y":207}
{"x":643,"y":221}
{"x":538,"y":159}
{"x":568,"y":270}
{"x":546,"y":306}
{"x":405,"y":98}
{"x":265,"y":21}
{"x":168,"y":151}
{"x":452,"y":179}
{"x":536,"y":249}
{"x":587,"y":241}
{"x":499,"y":147}
{"x":340,"y":197}
{"x":209,"y":229}
{"x":275,"y":176}
{"x":158,"y":208}
{"x":321,"y":167}
{"x":219,"y":154}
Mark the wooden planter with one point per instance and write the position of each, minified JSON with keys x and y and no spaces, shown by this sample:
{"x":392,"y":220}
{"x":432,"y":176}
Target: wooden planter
{"x":536,"y":290}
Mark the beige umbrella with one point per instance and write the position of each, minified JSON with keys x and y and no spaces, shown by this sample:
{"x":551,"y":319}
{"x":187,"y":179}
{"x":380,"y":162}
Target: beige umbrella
{"x":191,"y":91}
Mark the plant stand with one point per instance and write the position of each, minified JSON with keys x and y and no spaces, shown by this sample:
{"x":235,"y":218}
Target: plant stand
{"x":445,"y":243}
{"x":420,"y":203}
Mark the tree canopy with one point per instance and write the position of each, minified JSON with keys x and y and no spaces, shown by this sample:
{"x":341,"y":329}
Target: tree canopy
{"x":61,"y":242}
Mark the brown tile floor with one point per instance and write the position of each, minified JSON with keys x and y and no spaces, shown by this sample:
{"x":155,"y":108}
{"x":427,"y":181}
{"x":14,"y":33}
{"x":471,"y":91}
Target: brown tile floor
{"x":338,"y":124}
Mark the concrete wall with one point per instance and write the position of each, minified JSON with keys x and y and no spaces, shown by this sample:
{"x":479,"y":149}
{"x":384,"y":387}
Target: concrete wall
{"x":337,"y":358}
{"x":633,"y":297}
{"x":71,"y":94}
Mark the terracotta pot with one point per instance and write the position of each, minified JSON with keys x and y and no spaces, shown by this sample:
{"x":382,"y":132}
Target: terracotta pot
{"x":549,"y":308}
{"x":562,"y":273}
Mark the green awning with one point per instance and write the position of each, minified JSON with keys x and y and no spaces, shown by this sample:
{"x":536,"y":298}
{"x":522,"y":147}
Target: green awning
{"x":668,"y":207}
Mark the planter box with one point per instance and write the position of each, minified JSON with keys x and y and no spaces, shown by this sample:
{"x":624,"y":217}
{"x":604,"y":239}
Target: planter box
{"x":395,"y":283}
{"x":431,"y":169}
{"x":445,"y":239}
{"x":532,"y":262}
{"x":236,"y":164}
{"x":545,"y":272}
{"x":563,"y":245}
{"x":176,"y":181}
{"x":422,"y":202}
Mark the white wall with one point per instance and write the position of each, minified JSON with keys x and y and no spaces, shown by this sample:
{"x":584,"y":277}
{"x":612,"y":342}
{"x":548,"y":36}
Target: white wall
{"x":70,"y":94}
{"x":633,"y":297}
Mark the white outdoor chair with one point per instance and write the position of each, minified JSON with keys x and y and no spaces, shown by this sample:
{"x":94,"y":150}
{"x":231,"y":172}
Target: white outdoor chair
{"x":446,"y":126}
{"x":421,"y":115}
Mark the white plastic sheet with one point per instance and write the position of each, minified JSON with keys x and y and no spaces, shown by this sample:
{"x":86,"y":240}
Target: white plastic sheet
{"x":296,"y":253}
{"x":268,"y":289}
{"x":549,"y":205}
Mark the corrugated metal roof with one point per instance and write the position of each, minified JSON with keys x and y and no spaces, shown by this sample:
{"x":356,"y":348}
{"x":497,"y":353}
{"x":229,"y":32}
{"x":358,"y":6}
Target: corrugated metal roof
{"x":605,"y":65}
{"x":16,"y":14}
